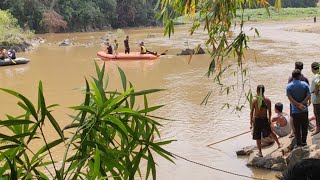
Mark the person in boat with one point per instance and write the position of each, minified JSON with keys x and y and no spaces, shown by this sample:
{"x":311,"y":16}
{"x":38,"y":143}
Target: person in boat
{"x":115,"y":47}
{"x":261,"y":111}
{"x":109,"y":48}
{"x":126,"y":45}
{"x":281,"y":122}
{"x":3,"y":54}
{"x":143,"y":50}
{"x":12,"y":54}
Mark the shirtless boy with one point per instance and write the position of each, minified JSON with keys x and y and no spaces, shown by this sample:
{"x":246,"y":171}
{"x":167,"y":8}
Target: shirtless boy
{"x":261,"y":112}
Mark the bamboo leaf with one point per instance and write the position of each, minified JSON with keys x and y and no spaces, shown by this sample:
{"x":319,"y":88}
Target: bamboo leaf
{"x":96,"y":163}
{"x":123,"y":79}
{"x":55,"y":124}
{"x":24,"y":99}
{"x":15,"y":122}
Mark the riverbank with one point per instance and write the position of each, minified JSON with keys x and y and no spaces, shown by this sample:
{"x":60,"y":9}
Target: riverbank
{"x":279,"y":159}
{"x":262,"y":15}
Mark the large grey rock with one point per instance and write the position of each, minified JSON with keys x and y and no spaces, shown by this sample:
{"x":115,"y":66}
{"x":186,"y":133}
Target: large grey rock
{"x":65,"y":42}
{"x":191,"y":51}
{"x":273,"y":161}
{"x":246,"y":151}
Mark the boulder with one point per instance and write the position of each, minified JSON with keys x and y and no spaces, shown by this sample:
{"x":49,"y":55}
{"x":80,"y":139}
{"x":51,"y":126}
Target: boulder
{"x":287,"y":156}
{"x":246,"y":151}
{"x":191,"y":51}
{"x":273,"y":161}
{"x":65,"y":42}
{"x":186,"y":52}
{"x":201,"y":51}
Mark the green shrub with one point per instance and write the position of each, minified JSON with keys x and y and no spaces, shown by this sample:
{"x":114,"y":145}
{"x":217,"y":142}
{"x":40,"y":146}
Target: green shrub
{"x":10,"y":32}
{"x":109,"y":136}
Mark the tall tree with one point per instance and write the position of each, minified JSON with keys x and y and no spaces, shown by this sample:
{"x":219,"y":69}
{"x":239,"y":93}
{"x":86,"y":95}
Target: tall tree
{"x":219,"y":16}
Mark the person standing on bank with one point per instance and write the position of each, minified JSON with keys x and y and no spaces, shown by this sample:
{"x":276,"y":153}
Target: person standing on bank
{"x":298,"y":94}
{"x":315,"y":96}
{"x":126,"y":45}
{"x":260,"y":119}
{"x":297,"y":65}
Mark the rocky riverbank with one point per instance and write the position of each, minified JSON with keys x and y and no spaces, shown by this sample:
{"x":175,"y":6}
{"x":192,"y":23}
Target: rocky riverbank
{"x":280,"y":159}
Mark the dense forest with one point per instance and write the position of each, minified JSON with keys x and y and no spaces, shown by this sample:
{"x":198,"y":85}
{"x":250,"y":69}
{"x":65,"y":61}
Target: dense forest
{"x":80,"y":15}
{"x":90,"y":15}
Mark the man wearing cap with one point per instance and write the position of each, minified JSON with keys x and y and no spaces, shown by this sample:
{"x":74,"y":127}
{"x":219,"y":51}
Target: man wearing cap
{"x":315,"y":96}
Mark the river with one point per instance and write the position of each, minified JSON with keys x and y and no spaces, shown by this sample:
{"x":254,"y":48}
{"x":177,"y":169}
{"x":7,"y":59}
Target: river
{"x":270,"y":60}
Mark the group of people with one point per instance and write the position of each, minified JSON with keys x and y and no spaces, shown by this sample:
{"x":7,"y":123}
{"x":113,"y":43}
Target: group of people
{"x":4,"y":54}
{"x":114,"y":49}
{"x":300,"y":95}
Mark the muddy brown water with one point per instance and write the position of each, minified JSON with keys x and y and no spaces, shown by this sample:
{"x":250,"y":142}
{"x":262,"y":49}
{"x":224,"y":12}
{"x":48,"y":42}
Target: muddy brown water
{"x":271,"y":61}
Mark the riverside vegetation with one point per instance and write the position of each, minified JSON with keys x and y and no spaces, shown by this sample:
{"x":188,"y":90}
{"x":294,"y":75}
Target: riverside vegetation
{"x":109,"y":137}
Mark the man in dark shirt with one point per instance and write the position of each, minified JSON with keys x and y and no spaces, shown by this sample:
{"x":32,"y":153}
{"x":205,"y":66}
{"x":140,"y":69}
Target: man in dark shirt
{"x":126,"y":45}
{"x":298,"y":93}
{"x":109,"y":48}
{"x":299,"y":65}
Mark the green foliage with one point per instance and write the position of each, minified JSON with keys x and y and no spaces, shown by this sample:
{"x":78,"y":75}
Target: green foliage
{"x":11,"y":33}
{"x":297,"y":3}
{"x":285,"y":14}
{"x":109,"y":137}
{"x":81,"y":15}
{"x":218,"y":21}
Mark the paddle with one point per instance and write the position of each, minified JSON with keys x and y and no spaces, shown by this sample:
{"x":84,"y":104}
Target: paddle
{"x":165,"y":52}
{"x":13,"y":61}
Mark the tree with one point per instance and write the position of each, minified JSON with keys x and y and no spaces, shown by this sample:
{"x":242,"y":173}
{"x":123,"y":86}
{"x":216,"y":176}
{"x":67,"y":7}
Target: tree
{"x":219,"y":17}
{"x":53,"y":21}
{"x":11,"y":33}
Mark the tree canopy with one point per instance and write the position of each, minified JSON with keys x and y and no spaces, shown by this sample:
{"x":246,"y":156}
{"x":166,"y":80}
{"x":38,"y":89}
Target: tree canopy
{"x":11,"y":33}
{"x":78,"y":15}
{"x":219,"y":20}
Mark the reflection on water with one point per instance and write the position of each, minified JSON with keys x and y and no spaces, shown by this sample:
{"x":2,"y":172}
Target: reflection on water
{"x":62,"y":70}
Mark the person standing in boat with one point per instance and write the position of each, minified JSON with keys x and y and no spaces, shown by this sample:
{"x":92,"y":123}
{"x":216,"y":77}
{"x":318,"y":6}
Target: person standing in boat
{"x":115,"y":47}
{"x":109,"y":48}
{"x":126,"y":45}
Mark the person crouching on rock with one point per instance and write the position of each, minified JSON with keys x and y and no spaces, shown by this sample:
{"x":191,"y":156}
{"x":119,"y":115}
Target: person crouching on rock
{"x":280,"y":122}
{"x":261,"y":110}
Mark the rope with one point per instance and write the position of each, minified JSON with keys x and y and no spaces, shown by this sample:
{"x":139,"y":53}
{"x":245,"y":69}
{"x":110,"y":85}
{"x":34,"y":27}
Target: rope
{"x":217,"y":169}
{"x":228,"y":138}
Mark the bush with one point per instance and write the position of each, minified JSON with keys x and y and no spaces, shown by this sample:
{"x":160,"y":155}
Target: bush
{"x":109,"y":136}
{"x":11,"y":33}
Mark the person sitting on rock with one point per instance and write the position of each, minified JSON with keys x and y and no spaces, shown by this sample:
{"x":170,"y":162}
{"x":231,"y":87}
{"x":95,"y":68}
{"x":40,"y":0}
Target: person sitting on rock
{"x":281,"y":122}
{"x":261,"y":111}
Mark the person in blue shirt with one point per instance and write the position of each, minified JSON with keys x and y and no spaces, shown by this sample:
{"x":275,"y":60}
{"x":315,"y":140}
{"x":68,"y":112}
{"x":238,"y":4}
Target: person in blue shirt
{"x":298,"y":93}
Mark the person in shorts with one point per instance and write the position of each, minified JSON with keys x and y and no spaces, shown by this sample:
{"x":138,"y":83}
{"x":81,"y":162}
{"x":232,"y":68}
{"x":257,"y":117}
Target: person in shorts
{"x":261,"y":111}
